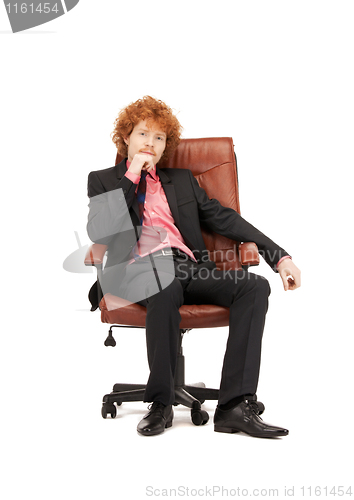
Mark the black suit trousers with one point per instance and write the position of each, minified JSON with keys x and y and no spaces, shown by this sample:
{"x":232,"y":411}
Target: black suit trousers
{"x":246,"y":294}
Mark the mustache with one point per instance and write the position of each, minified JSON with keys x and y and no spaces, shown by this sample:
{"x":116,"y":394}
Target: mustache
{"x":147,"y":150}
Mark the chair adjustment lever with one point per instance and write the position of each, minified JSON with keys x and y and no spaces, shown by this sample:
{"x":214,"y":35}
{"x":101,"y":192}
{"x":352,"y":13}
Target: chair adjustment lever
{"x":110,"y":339}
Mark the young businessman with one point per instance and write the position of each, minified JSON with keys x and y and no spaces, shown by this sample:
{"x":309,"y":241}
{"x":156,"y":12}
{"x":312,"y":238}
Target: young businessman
{"x":157,"y":258}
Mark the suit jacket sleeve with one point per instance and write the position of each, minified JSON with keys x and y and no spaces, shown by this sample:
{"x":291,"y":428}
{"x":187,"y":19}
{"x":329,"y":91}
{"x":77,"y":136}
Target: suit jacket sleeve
{"x":108,"y":209}
{"x":229,"y":223}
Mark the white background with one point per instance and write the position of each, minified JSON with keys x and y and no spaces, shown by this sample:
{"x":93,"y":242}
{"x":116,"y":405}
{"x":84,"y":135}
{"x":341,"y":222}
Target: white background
{"x":277,"y":76}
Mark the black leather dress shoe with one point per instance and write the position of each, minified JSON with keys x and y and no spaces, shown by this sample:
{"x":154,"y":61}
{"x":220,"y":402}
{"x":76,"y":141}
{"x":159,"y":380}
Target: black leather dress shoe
{"x":245,"y":418}
{"x":158,"y":418}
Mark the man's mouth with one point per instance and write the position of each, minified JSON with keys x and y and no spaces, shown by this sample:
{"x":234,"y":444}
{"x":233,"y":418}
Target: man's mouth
{"x":147,"y":152}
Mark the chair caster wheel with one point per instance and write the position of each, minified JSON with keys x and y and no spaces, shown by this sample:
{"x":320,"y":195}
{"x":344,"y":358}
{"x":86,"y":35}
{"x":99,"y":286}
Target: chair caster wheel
{"x":258,"y":407}
{"x":108,"y":408}
{"x":261,"y":407}
{"x":199,"y":417}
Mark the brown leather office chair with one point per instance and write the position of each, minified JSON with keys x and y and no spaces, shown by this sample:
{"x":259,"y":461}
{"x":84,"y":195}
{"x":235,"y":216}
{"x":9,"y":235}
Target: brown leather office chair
{"x":213,"y":163}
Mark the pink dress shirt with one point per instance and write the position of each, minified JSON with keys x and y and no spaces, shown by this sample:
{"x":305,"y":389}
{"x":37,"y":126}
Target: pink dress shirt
{"x":159,"y":230}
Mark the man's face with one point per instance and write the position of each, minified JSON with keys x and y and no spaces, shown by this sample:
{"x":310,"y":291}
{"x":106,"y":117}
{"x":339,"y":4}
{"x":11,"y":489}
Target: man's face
{"x":148,"y":138}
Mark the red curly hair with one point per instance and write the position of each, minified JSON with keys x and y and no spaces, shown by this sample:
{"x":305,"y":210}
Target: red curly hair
{"x":154,"y":111}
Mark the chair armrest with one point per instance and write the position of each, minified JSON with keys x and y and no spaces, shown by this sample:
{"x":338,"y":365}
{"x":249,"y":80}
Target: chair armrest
{"x":248,"y":254}
{"x":94,"y":255}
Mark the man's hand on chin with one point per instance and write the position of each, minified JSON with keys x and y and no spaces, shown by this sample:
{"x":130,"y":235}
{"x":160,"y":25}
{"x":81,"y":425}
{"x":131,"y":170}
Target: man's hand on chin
{"x":141,"y":161}
{"x":290,"y":274}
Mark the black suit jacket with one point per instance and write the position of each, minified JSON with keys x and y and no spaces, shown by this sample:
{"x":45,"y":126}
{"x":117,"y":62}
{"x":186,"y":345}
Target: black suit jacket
{"x":114,"y":215}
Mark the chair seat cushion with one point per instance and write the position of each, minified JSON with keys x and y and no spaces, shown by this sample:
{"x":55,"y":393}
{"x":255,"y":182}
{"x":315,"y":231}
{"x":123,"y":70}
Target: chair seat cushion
{"x":115,"y":310}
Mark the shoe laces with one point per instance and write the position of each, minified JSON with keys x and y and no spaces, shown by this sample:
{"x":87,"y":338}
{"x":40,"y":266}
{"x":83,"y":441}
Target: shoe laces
{"x":156,"y":406}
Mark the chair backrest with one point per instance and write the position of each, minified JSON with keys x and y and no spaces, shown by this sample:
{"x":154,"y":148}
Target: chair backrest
{"x":212,"y":161}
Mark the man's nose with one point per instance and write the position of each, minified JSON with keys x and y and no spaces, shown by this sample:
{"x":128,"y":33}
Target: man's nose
{"x":149,"y":141}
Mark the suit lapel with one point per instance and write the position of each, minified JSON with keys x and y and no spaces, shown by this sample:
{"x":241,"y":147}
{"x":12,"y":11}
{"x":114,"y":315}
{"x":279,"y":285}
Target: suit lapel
{"x":121,"y":168}
{"x":170,"y":192}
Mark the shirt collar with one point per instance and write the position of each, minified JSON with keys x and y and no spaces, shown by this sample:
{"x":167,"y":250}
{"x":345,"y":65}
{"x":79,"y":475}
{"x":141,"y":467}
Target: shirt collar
{"x":152,"y":172}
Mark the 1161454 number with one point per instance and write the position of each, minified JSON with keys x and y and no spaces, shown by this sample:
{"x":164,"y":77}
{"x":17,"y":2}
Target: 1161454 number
{"x":318,"y":491}
{"x":23,"y":8}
